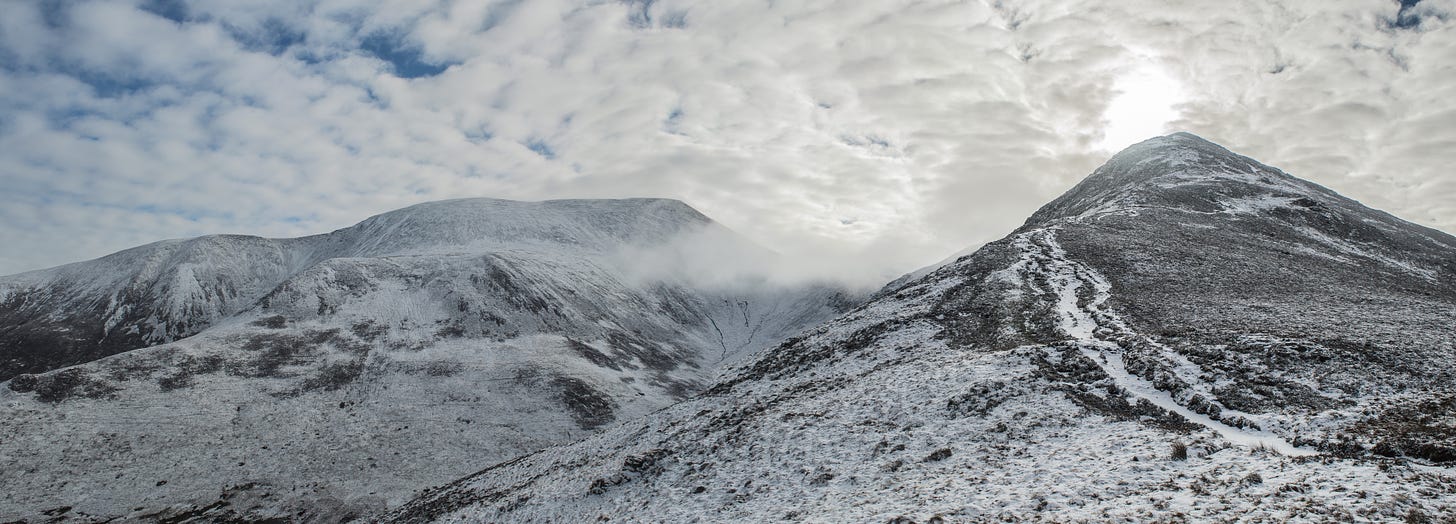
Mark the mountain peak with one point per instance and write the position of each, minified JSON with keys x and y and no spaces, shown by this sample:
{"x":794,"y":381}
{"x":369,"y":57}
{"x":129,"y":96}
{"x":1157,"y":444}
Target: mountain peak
{"x":1180,"y":171}
{"x":1181,"y":136}
{"x":1172,"y":145}
{"x":469,"y":222}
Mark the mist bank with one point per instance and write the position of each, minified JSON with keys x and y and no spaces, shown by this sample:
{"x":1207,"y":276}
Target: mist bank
{"x":715,"y":257}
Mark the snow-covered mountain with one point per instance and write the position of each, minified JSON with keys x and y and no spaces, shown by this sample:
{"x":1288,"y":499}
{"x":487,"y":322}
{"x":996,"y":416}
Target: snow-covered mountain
{"x":1187,"y":335}
{"x":331,"y":376}
{"x":173,"y":289}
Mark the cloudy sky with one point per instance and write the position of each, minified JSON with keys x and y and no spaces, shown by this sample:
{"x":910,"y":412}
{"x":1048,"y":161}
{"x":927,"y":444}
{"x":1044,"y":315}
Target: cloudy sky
{"x":885,"y":134}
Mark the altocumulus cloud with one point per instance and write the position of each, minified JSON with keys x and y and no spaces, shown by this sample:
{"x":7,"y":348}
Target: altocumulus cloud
{"x":887,"y":133}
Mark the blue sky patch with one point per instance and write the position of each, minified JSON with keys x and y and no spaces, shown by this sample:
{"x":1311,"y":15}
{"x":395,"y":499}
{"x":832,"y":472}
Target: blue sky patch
{"x":406,"y":60}
{"x":541,"y":148}
{"x":274,"y":37}
{"x":112,"y":86}
{"x":1406,"y":18}
{"x":174,"y":10}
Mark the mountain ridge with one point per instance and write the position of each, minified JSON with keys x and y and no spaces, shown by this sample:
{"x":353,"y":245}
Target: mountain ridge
{"x":171,"y":289}
{"x":1205,"y":358}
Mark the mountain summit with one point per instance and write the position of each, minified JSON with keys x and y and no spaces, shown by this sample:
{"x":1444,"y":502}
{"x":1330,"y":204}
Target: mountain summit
{"x":474,"y":223}
{"x":1187,"y":334}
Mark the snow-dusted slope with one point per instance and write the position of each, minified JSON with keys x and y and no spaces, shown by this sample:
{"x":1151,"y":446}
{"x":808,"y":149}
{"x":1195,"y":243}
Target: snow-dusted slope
{"x":139,"y":297}
{"x":354,"y":368}
{"x":1188,"y":335}
{"x":173,"y":289}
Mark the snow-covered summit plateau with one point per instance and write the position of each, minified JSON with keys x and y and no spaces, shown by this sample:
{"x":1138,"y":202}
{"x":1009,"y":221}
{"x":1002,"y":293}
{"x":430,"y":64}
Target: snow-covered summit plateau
{"x":1186,"y":335}
{"x":332,"y":376}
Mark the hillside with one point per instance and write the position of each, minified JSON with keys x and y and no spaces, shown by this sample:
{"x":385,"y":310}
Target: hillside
{"x":328,"y":377}
{"x":1188,"y":334}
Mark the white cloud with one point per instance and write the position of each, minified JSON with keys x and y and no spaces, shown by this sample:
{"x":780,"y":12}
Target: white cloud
{"x":878,"y":134}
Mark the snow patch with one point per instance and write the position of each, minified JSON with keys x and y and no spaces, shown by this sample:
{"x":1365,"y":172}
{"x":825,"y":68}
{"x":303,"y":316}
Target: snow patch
{"x":1256,"y":204}
{"x":1085,"y":321}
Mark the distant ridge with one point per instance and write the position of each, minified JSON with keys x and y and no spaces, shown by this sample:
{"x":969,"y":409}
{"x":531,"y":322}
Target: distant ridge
{"x":169,"y":290}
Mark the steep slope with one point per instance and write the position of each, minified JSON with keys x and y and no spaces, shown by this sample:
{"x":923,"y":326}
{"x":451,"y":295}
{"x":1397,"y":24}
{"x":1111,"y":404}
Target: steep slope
{"x":394,"y":355}
{"x":144,"y":296}
{"x":1186,"y":335}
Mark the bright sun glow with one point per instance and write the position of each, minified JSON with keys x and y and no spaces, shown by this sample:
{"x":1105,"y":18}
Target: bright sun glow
{"x":1144,"y":103}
